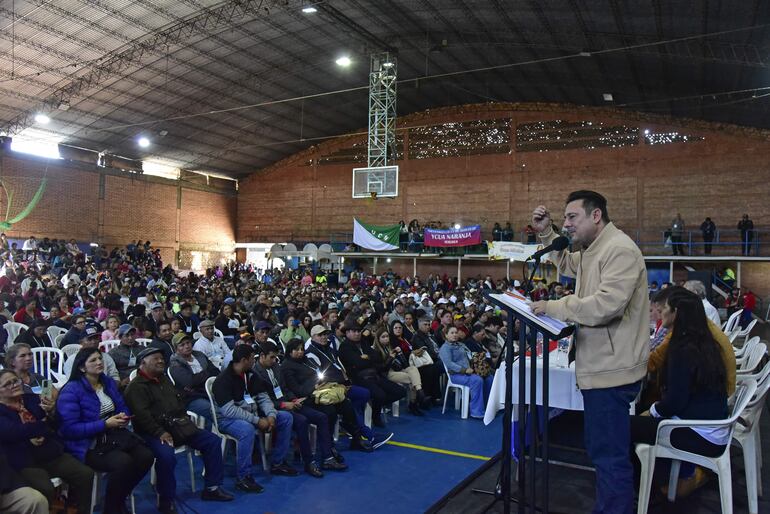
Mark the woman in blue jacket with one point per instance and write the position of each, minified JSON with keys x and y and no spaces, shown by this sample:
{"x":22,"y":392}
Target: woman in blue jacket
{"x":33,"y":449}
{"x":93,"y":419}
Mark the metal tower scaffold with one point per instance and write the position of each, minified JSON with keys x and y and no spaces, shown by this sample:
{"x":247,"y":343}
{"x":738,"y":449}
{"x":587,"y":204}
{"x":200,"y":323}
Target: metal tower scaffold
{"x":382,"y":110}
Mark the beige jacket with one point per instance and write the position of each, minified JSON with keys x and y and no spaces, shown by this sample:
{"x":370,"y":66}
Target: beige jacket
{"x":610,"y":306}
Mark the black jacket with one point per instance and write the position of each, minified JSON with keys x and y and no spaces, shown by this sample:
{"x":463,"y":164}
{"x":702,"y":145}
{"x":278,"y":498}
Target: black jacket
{"x":351,"y":355}
{"x":260,"y":382}
{"x":421,"y":340}
{"x":9,"y":479}
{"x":300,"y":377}
{"x":328,"y":361}
{"x":191,"y":385}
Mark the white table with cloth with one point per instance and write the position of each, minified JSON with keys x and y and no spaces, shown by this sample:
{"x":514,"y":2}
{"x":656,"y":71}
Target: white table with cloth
{"x":563,"y":392}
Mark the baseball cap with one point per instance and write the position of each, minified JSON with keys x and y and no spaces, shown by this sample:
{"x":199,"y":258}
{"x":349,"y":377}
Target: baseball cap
{"x":263,"y":325}
{"x":442,"y":300}
{"x":92,"y":329}
{"x":229,"y":300}
{"x":179,"y":337}
{"x":205,"y":323}
{"x":333,"y":306}
{"x":124,"y":329}
{"x":155,"y":305}
{"x":318,"y":329}
{"x":147,"y":352}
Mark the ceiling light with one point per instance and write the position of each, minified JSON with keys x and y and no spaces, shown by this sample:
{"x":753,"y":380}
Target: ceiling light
{"x":646,"y":131}
{"x":389,"y":259}
{"x":344,"y":61}
{"x":387,"y":64}
{"x":309,"y":9}
{"x":42,"y":119}
{"x":143,"y":142}
{"x":607,"y":97}
{"x":64,"y":105}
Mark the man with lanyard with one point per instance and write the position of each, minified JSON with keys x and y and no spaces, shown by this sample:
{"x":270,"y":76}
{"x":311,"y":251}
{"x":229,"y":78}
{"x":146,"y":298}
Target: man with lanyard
{"x":162,"y":339}
{"x":320,"y":352}
{"x":267,"y":379}
{"x":238,"y":413}
{"x":187,"y":319}
{"x":125,"y":354}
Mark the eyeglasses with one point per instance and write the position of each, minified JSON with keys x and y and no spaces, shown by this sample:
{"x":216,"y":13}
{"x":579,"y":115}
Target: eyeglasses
{"x":11,"y":384}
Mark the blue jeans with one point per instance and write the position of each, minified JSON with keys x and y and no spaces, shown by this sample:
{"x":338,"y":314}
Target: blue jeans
{"x":202,"y":408}
{"x":480,"y":388}
{"x":204,"y":441}
{"x":608,"y":441}
{"x":359,"y":397}
{"x":281,"y":437}
{"x":245,"y":433}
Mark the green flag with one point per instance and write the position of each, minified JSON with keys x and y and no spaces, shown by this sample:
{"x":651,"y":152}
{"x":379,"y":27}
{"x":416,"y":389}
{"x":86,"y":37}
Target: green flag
{"x":373,"y":237}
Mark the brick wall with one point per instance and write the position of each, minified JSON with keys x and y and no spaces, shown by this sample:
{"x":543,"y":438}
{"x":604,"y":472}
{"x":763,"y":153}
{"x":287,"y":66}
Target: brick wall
{"x":112,"y":207}
{"x":722,"y":176}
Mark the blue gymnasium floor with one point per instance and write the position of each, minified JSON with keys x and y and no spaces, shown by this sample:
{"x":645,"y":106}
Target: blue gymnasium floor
{"x":392,"y":479}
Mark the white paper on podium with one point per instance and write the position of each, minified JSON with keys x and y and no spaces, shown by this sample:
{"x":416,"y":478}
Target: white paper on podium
{"x":518,"y":302}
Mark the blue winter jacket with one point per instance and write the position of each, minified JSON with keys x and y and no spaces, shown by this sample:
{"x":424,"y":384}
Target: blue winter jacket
{"x":78,"y":408}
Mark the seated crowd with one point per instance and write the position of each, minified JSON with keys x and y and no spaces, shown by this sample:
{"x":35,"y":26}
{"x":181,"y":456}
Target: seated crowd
{"x":267,"y":360}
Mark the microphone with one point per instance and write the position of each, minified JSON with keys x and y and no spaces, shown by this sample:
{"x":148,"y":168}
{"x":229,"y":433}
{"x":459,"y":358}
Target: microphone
{"x":558,"y":244}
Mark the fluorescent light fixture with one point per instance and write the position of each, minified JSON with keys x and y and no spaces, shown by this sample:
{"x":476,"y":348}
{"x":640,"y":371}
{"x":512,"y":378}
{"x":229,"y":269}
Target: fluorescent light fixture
{"x":457,"y":226}
{"x":42,"y":118}
{"x":161,"y":168}
{"x":387,"y":64}
{"x":309,"y":9}
{"x":94,"y":245}
{"x":36,"y":142}
{"x":584,"y":54}
{"x":143,"y":142}
{"x":607,"y":97}
{"x":344,"y":61}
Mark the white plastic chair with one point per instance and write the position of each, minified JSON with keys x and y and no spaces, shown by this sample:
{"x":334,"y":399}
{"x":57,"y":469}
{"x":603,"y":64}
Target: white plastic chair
{"x":14,"y":329}
{"x":264,"y":438}
{"x":744,"y":333}
{"x":732,"y":322}
{"x":43,"y":361}
{"x":746,"y":435}
{"x":462,"y":396}
{"x":196,"y":336}
{"x":57,"y":340}
{"x":748,"y":345}
{"x":54,"y":331}
{"x":143,"y":341}
{"x":732,"y":336}
{"x":664,"y":449}
{"x":181,"y":449}
{"x":106,"y":346}
{"x":749,"y":362}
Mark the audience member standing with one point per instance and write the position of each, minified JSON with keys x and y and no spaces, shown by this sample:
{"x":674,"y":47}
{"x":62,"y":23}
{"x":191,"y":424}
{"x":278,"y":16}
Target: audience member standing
{"x":746,"y":226}
{"x":709,"y":229}
{"x":677,"y":231}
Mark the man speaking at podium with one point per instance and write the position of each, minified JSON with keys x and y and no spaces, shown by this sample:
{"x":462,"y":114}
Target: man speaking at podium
{"x":611,"y":310}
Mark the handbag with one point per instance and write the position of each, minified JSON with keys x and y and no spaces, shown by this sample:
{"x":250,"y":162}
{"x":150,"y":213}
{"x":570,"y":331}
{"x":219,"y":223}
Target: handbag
{"x":331,"y":393}
{"x":423,"y":360}
{"x":181,"y":428}
{"x":117,"y":439}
